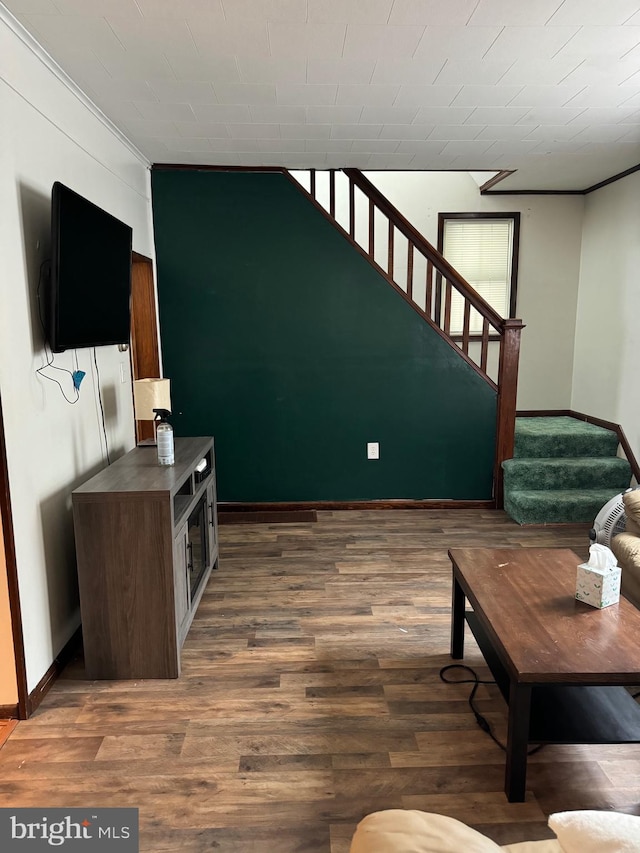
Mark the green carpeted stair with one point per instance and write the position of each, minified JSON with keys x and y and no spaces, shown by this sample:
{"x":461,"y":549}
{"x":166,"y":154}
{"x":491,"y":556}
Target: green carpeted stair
{"x":564,"y":470}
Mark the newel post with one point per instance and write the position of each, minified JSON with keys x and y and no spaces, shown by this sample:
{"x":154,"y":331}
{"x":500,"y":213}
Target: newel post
{"x":507,"y":392}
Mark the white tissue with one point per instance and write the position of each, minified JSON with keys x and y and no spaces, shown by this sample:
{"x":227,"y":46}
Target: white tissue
{"x":598,"y":581}
{"x":601,"y":557}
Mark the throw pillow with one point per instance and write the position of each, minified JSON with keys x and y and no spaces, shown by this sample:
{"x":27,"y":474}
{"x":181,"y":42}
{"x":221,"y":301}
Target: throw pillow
{"x":596,"y":832}
{"x":410,"y":831}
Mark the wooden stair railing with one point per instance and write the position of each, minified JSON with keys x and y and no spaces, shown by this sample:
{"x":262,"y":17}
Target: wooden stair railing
{"x":489,"y":343}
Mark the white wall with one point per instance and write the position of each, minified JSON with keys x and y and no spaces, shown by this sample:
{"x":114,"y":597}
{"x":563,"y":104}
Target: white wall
{"x":607,"y":343}
{"x":550,"y":235}
{"x":49,"y":134}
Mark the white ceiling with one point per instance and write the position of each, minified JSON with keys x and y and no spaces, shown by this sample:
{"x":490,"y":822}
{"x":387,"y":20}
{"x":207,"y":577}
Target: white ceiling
{"x":550,"y":88}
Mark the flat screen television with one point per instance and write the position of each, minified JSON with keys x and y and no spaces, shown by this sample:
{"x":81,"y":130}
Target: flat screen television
{"x":90,"y":279}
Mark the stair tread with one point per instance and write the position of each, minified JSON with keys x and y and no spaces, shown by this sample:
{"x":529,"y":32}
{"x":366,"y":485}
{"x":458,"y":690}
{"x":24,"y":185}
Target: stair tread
{"x":562,"y":473}
{"x":571,"y":461}
{"x":557,"y":506}
{"x":563,"y":425}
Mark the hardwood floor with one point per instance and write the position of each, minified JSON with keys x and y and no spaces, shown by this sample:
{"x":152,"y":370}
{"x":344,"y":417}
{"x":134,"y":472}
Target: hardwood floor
{"x":309,"y":697}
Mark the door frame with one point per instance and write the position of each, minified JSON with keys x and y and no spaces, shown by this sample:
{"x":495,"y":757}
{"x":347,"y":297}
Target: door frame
{"x":145,"y":350}
{"x":6,"y":516}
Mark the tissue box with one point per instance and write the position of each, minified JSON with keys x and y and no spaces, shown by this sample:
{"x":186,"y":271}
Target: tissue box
{"x":598,"y":587}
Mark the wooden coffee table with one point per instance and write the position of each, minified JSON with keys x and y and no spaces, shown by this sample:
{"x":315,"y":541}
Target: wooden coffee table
{"x":559,"y":663}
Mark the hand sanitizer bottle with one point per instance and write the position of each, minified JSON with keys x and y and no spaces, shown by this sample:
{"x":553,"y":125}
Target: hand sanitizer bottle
{"x":164,"y":437}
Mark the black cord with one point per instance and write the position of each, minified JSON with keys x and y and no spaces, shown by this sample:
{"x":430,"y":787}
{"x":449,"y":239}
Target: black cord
{"x":104,"y":428}
{"x":484,"y":724}
{"x":47,"y":352}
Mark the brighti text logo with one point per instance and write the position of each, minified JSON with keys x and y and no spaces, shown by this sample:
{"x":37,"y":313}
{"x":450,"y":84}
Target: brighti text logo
{"x":54,"y":833}
{"x":77,"y":830}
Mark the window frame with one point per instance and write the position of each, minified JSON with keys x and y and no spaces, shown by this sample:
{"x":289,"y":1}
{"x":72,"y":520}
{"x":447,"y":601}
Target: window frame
{"x":515,"y":247}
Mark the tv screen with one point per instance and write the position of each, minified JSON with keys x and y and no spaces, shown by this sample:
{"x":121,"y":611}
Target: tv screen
{"x":90,"y":283}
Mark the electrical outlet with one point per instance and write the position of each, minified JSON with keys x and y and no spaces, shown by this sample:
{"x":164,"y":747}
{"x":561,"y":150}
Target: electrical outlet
{"x":373,"y":450}
{"x":123,"y":373}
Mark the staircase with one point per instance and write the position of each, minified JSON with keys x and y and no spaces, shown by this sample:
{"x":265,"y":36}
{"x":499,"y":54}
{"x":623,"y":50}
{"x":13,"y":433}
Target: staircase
{"x":487,"y":342}
{"x":563,"y":471}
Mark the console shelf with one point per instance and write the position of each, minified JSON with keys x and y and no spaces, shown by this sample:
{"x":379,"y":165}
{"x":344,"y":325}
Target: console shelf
{"x":146,"y":542}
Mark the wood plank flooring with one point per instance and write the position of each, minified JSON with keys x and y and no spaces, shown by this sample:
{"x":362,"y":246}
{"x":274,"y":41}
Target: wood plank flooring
{"x":309,"y":697}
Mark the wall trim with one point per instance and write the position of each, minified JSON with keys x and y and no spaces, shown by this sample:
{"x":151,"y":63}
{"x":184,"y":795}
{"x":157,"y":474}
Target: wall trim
{"x":612,"y":179}
{"x":392,"y":503}
{"x":49,"y":62}
{"x":502,"y":174}
{"x":617,"y":177}
{"x":12,"y":578}
{"x":48,"y":679}
{"x":485,"y":189}
{"x":533,"y":192}
{"x":8,"y":712}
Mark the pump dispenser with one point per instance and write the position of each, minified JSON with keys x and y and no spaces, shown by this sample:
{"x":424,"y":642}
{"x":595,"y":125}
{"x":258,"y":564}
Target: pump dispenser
{"x":164,"y":437}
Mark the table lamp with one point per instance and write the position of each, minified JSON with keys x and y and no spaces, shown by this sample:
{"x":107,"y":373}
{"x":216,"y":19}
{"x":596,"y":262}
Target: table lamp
{"x":150,"y":394}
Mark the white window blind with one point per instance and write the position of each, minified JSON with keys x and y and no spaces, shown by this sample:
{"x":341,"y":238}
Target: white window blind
{"x":481,"y":251}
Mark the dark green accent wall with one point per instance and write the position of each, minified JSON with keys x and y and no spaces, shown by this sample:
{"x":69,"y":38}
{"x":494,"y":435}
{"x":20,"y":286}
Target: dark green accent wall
{"x":284,"y":343}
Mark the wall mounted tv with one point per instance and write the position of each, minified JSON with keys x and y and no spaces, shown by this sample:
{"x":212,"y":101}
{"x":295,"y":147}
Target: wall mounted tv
{"x":90,"y":280}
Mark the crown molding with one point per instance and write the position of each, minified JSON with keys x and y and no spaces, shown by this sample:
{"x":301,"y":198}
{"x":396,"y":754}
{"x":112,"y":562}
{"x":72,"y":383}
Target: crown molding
{"x":486,"y":188}
{"x":49,"y":62}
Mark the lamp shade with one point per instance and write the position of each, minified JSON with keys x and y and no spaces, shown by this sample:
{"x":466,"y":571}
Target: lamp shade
{"x":150,"y":394}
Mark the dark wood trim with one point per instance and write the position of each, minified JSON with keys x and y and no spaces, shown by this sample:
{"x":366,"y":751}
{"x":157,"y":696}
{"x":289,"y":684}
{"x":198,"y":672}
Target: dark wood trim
{"x":189,"y":167}
{"x":12,"y":578}
{"x":332,"y":192}
{"x":68,"y":652}
{"x":515,"y":248}
{"x":612,"y":179}
{"x":8,"y":712}
{"x":388,"y":278}
{"x":298,"y":506}
{"x":506,"y":416}
{"x":352,"y":209}
{"x":515,"y":259}
{"x":485,"y":189}
{"x":502,"y":174}
{"x":145,"y":355}
{"x":534,"y":192}
{"x":618,"y":177}
{"x":424,"y":247}
{"x":580,"y":416}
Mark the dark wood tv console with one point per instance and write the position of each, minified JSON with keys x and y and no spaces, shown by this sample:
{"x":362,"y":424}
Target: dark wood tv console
{"x":146,"y":542}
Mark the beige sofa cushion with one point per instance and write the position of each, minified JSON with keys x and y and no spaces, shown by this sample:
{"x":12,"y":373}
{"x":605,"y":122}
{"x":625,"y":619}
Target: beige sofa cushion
{"x":626,"y":548}
{"x":632,"y":526}
{"x":596,"y":832}
{"x":631,"y":501}
{"x":410,"y":831}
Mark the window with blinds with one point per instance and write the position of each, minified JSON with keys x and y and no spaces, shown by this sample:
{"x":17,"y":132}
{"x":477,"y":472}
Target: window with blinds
{"x":482,"y":250}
